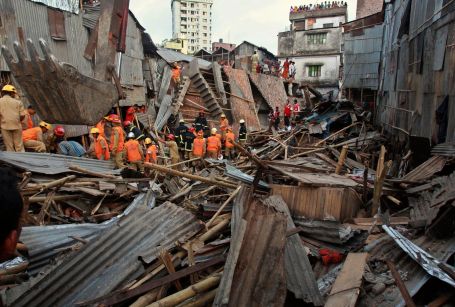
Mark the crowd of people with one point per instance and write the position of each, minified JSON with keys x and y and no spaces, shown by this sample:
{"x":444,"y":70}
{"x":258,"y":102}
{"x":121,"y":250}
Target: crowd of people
{"x":285,"y":70}
{"x":321,"y":6}
{"x":292,"y":115}
{"x":127,"y":143}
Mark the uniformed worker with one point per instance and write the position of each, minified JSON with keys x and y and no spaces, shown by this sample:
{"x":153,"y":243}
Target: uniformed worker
{"x":12,"y":113}
{"x":229,"y":145}
{"x":117,"y":140}
{"x":213,"y":145}
{"x":151,"y":155}
{"x":242,"y":133}
{"x":133,"y":153}
{"x":189,"y":137}
{"x":100,"y":145}
{"x":179,"y":136}
{"x":224,"y":124}
{"x":130,"y":127}
{"x":173,"y":149}
{"x":33,"y":138}
{"x":27,"y":122}
{"x":200,"y":123}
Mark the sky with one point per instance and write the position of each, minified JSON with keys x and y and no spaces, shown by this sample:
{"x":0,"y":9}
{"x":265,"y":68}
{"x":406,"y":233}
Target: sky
{"x":256,"y":21}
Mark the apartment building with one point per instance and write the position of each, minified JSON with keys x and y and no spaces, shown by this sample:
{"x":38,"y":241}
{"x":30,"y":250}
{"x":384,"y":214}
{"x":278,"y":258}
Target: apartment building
{"x":193,"y":19}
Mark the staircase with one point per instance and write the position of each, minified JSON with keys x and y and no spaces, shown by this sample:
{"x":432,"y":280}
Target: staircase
{"x":206,"y":90}
{"x":183,"y":88}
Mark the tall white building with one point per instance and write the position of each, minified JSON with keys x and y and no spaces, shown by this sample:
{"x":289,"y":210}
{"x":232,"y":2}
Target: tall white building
{"x":193,"y":18}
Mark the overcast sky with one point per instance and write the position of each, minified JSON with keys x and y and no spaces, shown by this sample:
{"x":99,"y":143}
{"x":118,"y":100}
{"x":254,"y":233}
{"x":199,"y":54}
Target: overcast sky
{"x":256,"y":21}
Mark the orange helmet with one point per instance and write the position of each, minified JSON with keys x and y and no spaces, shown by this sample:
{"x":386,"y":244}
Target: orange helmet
{"x":59,"y":131}
{"x":114,"y":118}
{"x":171,"y":136}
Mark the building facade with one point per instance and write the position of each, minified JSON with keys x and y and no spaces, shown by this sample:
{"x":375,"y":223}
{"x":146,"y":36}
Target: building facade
{"x":314,"y":44}
{"x":193,"y":18}
{"x":179,"y":43}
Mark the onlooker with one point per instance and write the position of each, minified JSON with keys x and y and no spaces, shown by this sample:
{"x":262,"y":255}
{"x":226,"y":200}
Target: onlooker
{"x":276,"y":118}
{"x":287,"y":115}
{"x":292,"y":70}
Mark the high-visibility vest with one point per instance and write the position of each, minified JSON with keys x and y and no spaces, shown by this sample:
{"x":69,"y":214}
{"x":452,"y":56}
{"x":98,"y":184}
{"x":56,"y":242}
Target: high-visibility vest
{"x":31,"y":134}
{"x":28,"y":121}
{"x":132,"y":151}
{"x":100,"y":127}
{"x":151,"y":154}
{"x":198,"y":147}
{"x":224,"y":123}
{"x":176,"y":74}
{"x":99,"y":151}
{"x":121,"y":138}
{"x":213,"y":143}
{"x":229,"y":137}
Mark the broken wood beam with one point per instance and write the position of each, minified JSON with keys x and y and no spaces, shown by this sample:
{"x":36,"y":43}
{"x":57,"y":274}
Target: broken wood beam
{"x":209,"y":223}
{"x":39,"y":199}
{"x":344,"y":153}
{"x":400,"y":284}
{"x":125,"y":294}
{"x":378,"y":184}
{"x":193,"y":290}
{"x":87,"y":172}
{"x":346,"y":288}
{"x":173,"y":172}
{"x":249,"y":155}
{"x":336,"y":133}
{"x":53,"y":184}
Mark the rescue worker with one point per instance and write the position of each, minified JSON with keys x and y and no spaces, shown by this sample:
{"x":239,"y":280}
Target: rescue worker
{"x":101,"y":126}
{"x":130,"y":127}
{"x":224,"y":124}
{"x":229,"y":146}
{"x":12,"y":113}
{"x":173,"y":149}
{"x":242,"y":133}
{"x":64,"y":147}
{"x":130,"y":114}
{"x":133,"y":153}
{"x":33,"y":138}
{"x":188,"y":139}
{"x":200,"y":123}
{"x":151,"y":155}
{"x":117,"y":141}
{"x":179,"y":136}
{"x":213,"y":145}
{"x":176,"y":71}
{"x":27,"y":123}
{"x":296,"y":111}
{"x":199,"y":145}
{"x":101,"y":147}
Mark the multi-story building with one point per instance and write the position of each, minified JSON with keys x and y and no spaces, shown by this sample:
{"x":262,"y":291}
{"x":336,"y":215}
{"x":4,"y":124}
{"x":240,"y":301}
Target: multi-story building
{"x":179,"y":43}
{"x":193,"y":18}
{"x":314,"y":44}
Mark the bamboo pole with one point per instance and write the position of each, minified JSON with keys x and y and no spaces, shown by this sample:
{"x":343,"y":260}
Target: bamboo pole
{"x":209,"y":223}
{"x":336,"y":133}
{"x":173,"y":172}
{"x":39,"y":199}
{"x":341,"y":160}
{"x":90,"y":173}
{"x":53,"y":184}
{"x":189,"y":292}
{"x":203,"y":300}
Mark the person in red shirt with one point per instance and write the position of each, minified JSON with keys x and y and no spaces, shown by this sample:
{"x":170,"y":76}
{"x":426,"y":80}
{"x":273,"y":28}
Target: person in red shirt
{"x":296,"y":110}
{"x":130,"y":114}
{"x":287,"y":114}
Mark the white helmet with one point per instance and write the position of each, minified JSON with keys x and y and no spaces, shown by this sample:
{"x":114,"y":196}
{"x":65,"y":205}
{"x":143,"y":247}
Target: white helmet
{"x":242,"y":121}
{"x":131,"y":135}
{"x":214,"y":130}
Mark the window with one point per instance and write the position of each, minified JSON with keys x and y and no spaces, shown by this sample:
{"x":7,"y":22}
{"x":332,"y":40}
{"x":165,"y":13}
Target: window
{"x":328,"y":25}
{"x":183,"y":11}
{"x":314,"y":70}
{"x":317,"y":39}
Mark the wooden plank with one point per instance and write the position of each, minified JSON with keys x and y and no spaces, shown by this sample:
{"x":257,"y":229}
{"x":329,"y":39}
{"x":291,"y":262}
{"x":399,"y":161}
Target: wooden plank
{"x":346,"y":288}
{"x":399,"y":220}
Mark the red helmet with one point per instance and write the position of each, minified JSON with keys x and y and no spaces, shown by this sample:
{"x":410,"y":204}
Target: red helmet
{"x":130,"y":110}
{"x":59,"y":131}
{"x":126,"y":123}
{"x":191,"y":129}
{"x":114,"y":118}
{"x":171,"y":136}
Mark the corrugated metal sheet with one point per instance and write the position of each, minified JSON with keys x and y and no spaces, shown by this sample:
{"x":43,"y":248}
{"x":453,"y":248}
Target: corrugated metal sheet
{"x":427,"y":169}
{"x":112,"y":260}
{"x":172,"y":56}
{"x":362,"y":55}
{"x":416,"y":277}
{"x":71,"y":6}
{"x":271,"y":88}
{"x":323,"y":203}
{"x":254,"y":271}
{"x":52,"y":164}
{"x":245,"y":108}
{"x":300,"y":277}
{"x":259,"y":277}
{"x":241,"y":176}
{"x":445,"y":149}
